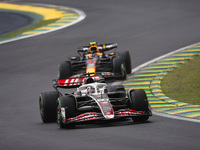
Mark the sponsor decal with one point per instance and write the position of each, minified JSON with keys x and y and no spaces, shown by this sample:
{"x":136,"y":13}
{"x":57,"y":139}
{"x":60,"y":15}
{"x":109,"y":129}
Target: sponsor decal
{"x":92,"y":62}
{"x":106,"y":109}
{"x":107,"y":73}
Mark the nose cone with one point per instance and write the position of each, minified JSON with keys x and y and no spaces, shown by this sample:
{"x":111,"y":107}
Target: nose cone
{"x":111,"y":116}
{"x":107,"y":109}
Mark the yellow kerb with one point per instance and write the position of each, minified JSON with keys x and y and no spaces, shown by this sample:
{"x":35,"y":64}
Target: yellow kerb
{"x":47,"y":13}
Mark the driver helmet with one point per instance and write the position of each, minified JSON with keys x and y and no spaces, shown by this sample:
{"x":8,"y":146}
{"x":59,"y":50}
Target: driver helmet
{"x":93,"y":47}
{"x":87,"y":81}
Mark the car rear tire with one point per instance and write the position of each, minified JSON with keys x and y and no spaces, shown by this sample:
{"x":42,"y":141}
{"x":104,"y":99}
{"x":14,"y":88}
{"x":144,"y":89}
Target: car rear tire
{"x":65,"y":70}
{"x":139,"y":102}
{"x":119,"y":66}
{"x":47,"y":104}
{"x":127,"y":60}
{"x":69,"y":103}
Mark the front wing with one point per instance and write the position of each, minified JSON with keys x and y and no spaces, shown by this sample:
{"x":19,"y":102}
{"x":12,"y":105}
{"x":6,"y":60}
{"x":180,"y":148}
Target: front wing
{"x":89,"y":116}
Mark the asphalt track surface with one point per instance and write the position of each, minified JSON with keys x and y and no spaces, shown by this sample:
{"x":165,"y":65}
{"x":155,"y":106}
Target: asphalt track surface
{"x":148,"y":29}
{"x":10,"y":21}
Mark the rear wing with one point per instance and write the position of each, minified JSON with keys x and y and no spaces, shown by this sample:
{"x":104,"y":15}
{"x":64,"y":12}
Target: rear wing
{"x":107,"y":47}
{"x":73,"y":82}
{"x":101,"y":47}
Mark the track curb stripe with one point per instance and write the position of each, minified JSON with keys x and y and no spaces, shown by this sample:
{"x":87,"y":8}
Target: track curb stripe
{"x":66,"y":17}
{"x":149,"y":77}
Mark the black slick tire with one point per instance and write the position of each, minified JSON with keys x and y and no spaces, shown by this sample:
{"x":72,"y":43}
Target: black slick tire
{"x":119,"y":66}
{"x":139,"y":102}
{"x":69,"y":103}
{"x":65,"y":70}
{"x":47,"y":104}
{"x":127,"y":60}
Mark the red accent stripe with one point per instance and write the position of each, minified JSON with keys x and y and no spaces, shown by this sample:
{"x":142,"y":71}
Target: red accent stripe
{"x":129,"y":112}
{"x":84,"y":117}
{"x":71,"y":81}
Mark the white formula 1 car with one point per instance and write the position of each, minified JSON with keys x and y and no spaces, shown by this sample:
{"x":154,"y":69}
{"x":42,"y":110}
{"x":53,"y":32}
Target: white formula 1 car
{"x":92,"y":101}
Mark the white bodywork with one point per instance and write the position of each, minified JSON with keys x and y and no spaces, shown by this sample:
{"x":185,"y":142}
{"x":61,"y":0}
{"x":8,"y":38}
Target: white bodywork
{"x":97,"y":91}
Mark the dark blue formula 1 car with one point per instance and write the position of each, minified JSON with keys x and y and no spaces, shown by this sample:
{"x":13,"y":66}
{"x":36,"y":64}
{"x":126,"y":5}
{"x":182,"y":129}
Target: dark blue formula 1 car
{"x":93,"y":59}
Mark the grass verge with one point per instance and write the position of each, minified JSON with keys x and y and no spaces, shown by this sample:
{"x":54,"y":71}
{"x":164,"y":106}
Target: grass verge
{"x":32,"y":27}
{"x":183,"y":83}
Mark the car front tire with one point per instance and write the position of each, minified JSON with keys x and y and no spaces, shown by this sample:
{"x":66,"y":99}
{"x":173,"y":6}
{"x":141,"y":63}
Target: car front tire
{"x":139,"y":102}
{"x":47,"y":104}
{"x":67,"y":102}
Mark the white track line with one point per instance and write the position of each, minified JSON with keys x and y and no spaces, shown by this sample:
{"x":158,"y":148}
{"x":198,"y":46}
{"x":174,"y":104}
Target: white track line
{"x":156,"y":59}
{"x":175,"y":117}
{"x":161,"y":57}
